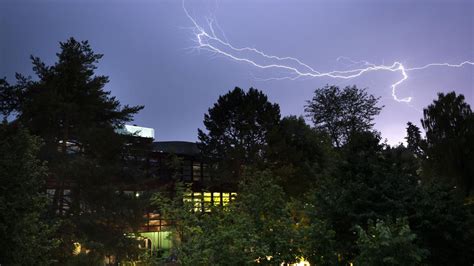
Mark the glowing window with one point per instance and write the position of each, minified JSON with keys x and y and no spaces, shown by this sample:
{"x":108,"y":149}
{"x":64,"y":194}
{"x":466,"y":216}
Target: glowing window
{"x":225,"y":199}
{"x":197,"y":200}
{"x":216,"y":196}
{"x":207,"y":201}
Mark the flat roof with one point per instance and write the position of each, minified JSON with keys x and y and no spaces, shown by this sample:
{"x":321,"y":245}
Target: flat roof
{"x":177,"y":147}
{"x":144,"y":132}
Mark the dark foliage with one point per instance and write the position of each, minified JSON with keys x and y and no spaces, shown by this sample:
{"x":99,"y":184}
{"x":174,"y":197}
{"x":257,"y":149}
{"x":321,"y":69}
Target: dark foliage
{"x":342,"y":112}
{"x":415,"y":143}
{"x":443,"y":225}
{"x":77,"y":119}
{"x":298,"y":155}
{"x":369,"y":181}
{"x":237,"y":128}
{"x":449,"y":126}
{"x":26,"y":235}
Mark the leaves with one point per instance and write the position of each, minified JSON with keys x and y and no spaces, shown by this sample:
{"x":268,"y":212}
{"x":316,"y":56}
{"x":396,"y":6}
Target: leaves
{"x":449,"y":126}
{"x":69,"y":108}
{"x":237,"y":128}
{"x":342,"y":112}
{"x":25,"y":235}
{"x":388,"y":243}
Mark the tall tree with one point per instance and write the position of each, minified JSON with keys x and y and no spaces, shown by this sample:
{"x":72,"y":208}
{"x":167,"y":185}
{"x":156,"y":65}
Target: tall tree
{"x":449,"y":126}
{"x":298,"y":154}
{"x":342,"y":112}
{"x":237,"y":128}
{"x":69,"y":108}
{"x":369,"y":181}
{"x":25,"y":236}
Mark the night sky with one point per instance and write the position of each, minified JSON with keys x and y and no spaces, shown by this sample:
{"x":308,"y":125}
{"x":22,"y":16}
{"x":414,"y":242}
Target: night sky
{"x":147,"y":55}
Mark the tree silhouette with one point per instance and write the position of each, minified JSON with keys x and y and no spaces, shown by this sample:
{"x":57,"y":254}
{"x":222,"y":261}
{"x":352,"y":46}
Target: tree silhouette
{"x":415,"y":142}
{"x":449,"y":126}
{"x":237,"y":128}
{"x":77,"y":118}
{"x":298,"y":155}
{"x":342,"y":112}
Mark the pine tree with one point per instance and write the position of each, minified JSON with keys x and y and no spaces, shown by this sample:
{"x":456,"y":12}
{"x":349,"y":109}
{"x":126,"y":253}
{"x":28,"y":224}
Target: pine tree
{"x":69,"y":108}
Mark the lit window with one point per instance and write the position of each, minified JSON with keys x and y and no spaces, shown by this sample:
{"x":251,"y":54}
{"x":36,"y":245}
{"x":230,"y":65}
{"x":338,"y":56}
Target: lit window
{"x":225,"y":199}
{"x":217,"y":198}
{"x":197,"y":200}
{"x":204,"y":200}
{"x":207,"y":201}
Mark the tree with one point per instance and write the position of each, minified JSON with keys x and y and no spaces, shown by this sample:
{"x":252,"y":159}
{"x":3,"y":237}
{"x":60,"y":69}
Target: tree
{"x":69,"y":108}
{"x":443,"y":225}
{"x":449,"y":126}
{"x":376,"y":182}
{"x":7,"y":98}
{"x":256,"y":226}
{"x":297,"y":155}
{"x":415,"y":143}
{"x":342,"y":112}
{"x":369,"y":181}
{"x":26,"y":236}
{"x":266,"y":204}
{"x":390,"y":243}
{"x":318,"y":245}
{"x":237,"y":129}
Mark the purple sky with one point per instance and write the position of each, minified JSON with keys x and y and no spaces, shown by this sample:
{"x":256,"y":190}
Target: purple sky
{"x":148,"y":61}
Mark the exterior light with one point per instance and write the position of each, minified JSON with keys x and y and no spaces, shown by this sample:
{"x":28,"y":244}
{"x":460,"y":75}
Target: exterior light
{"x":77,"y":248}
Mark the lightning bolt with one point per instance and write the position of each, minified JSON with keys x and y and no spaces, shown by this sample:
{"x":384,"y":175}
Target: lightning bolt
{"x":293,"y":68}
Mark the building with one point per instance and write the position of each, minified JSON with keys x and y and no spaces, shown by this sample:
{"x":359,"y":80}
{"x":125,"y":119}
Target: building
{"x":163,"y":162}
{"x":190,"y":169}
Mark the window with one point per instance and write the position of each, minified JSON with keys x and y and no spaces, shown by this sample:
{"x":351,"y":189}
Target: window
{"x":225,"y":199}
{"x":205,"y":173}
{"x":50,"y":193}
{"x":66,"y":199}
{"x":186,"y":169}
{"x":196,"y":171}
{"x":207,"y":201}
{"x":197,"y":200}
{"x":217,"y":198}
{"x":202,"y":201}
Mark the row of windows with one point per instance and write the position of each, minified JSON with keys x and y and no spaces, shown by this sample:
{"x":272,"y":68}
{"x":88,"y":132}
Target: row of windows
{"x":194,"y":171}
{"x":202,"y":201}
{"x":188,"y":170}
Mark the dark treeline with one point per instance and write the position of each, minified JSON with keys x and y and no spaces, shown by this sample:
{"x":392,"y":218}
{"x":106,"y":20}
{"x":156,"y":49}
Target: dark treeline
{"x":331,"y":192}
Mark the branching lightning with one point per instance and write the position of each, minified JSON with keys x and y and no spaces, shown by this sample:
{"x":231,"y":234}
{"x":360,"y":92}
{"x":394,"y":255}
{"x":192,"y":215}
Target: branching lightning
{"x":293,"y":68}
